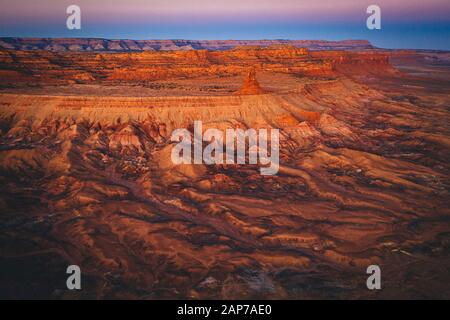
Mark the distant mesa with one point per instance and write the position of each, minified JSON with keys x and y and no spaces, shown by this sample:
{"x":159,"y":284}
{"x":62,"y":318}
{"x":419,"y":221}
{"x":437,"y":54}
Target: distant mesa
{"x":250,"y":85}
{"x":126,"y":45}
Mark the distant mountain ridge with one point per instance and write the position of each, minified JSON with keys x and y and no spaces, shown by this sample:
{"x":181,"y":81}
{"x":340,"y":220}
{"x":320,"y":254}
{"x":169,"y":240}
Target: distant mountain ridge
{"x":107,"y":45}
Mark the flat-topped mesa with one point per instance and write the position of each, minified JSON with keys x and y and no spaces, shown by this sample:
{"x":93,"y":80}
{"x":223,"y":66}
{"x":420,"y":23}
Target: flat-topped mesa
{"x":357,"y":63}
{"x":250,"y":85}
{"x":107,"y":45}
{"x":30,"y":69}
{"x":270,"y":52}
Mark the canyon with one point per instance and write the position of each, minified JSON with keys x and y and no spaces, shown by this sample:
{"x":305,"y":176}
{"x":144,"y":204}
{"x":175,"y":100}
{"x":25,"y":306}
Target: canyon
{"x":86,"y":176}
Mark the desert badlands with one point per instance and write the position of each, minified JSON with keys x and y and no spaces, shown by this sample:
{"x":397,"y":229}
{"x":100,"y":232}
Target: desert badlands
{"x":86,"y":175}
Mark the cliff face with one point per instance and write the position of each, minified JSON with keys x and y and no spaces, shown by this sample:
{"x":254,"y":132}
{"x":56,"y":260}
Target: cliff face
{"x":96,"y":68}
{"x":77,"y":45}
{"x":251,"y":85}
{"x":358,"y":63}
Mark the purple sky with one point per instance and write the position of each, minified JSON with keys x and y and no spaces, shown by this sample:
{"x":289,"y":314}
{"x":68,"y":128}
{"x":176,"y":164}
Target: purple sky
{"x":405,"y":23}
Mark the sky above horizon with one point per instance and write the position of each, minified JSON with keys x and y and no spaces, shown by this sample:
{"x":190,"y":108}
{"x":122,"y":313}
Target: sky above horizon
{"x":415,"y":24}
